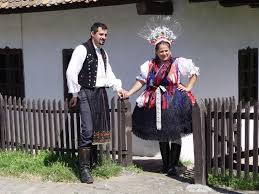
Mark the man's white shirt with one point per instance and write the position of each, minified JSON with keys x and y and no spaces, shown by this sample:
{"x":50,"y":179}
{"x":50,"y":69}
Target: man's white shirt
{"x":103,"y":79}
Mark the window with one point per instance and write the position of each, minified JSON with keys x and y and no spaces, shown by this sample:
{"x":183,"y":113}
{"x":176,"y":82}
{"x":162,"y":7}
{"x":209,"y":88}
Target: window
{"x":11,"y":72}
{"x":67,"y":54}
{"x":248,"y":74}
{"x":154,"y":7}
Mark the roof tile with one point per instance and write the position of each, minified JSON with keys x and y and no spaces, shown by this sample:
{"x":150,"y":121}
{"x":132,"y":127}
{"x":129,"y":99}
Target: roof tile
{"x":13,"y":4}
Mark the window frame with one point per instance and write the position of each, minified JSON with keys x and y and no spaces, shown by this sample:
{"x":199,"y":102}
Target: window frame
{"x":13,"y":69}
{"x":248,"y":75}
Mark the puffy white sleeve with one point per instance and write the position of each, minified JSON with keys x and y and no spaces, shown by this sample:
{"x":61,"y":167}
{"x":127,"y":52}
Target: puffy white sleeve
{"x":187,"y":67}
{"x":74,"y":67}
{"x":143,"y":72}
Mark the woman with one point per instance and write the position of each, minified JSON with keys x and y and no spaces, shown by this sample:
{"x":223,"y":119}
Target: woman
{"x":163,"y":110}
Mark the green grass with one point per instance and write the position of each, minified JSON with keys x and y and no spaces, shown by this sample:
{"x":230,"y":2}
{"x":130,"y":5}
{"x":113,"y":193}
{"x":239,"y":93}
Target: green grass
{"x":109,"y":168}
{"x":51,"y":167}
{"x":233,"y":182}
{"x":133,"y":168}
{"x":185,"y":162}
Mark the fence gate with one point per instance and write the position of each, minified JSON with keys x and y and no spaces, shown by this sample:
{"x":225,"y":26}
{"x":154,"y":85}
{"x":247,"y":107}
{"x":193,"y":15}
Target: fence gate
{"x":228,"y":139}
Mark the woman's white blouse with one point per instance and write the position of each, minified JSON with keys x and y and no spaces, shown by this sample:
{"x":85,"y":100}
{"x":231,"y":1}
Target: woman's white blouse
{"x":186,"y":68}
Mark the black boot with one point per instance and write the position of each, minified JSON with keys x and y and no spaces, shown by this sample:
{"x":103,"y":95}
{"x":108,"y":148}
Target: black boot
{"x":84,"y":164}
{"x":165,"y":151}
{"x":94,"y":156}
{"x":174,"y":159}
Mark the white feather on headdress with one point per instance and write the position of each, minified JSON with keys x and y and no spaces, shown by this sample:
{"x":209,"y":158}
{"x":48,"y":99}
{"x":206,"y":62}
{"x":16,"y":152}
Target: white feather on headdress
{"x":159,"y":29}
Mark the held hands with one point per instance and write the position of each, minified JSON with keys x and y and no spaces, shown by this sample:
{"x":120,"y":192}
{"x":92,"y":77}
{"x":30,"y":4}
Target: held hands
{"x":123,"y":94}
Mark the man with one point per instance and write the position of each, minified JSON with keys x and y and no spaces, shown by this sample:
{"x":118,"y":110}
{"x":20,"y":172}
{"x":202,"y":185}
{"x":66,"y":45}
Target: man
{"x":88,"y":74}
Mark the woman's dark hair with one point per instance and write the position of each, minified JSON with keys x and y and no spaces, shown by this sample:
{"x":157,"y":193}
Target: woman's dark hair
{"x":96,"y":25}
{"x":162,"y":42}
{"x":157,"y":47}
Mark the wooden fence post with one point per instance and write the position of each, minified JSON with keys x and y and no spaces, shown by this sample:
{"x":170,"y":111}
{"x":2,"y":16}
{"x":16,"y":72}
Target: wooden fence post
{"x":113,"y":128}
{"x":255,"y":140}
{"x":123,"y":132}
{"x":198,"y":124}
{"x":119,"y":131}
{"x":128,"y":128}
{"x":2,"y":122}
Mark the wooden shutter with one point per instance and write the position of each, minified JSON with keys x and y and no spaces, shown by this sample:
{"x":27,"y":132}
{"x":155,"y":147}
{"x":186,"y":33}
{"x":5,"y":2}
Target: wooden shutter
{"x":248,"y":74}
{"x":67,"y":54}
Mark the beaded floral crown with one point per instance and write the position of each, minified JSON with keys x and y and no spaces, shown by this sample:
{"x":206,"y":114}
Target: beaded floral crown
{"x":159,"y":29}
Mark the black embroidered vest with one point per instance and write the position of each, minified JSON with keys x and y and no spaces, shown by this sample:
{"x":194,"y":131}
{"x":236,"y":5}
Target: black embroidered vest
{"x":88,"y":73}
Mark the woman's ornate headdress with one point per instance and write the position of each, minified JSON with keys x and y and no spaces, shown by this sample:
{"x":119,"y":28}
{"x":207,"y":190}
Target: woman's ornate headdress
{"x":159,"y":29}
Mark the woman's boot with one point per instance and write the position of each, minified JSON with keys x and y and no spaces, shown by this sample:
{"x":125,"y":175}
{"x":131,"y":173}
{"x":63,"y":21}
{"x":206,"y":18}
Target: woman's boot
{"x":84,"y":164}
{"x":174,"y":159}
{"x":165,"y":151}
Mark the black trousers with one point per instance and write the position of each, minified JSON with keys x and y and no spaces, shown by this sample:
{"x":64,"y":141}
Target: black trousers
{"x":86,"y":120}
{"x":95,"y":118}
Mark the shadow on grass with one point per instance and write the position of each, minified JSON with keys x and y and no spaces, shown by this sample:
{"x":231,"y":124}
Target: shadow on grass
{"x":105,"y":167}
{"x":66,"y":159}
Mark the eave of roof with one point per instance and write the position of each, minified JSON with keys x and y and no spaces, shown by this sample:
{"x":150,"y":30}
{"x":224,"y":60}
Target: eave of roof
{"x":13,"y":4}
{"x":26,"y":6}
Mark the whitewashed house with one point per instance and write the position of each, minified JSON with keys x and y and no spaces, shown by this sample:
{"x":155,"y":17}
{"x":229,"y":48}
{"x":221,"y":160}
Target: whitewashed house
{"x":214,"y":32}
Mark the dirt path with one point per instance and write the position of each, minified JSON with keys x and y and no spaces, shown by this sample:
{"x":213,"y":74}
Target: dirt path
{"x":150,"y":181}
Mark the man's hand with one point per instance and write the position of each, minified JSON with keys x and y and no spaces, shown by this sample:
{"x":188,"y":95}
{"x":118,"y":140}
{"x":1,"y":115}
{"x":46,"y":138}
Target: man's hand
{"x":73,"y":102}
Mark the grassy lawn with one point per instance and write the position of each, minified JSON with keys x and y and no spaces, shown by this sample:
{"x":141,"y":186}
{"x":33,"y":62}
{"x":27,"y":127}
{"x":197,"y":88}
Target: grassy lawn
{"x":233,"y":182}
{"x":51,"y":167}
{"x":185,"y":163}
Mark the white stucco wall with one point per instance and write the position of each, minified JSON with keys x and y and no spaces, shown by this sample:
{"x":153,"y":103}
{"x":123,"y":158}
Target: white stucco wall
{"x":212,"y":36}
{"x":10,"y":31}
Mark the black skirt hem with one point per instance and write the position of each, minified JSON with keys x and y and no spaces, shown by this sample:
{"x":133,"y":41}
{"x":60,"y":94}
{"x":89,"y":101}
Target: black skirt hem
{"x":176,"y":120}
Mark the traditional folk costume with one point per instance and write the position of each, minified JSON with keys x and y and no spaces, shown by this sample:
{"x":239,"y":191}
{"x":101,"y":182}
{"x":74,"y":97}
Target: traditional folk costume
{"x":163,"y":112}
{"x":88,"y":74}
